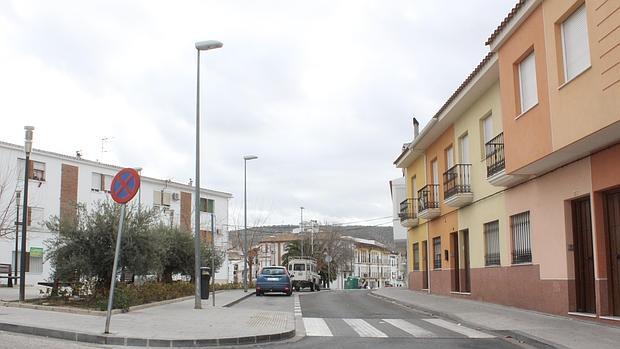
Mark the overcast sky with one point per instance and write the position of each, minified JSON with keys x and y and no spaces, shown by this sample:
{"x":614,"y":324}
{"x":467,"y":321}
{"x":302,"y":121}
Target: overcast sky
{"x":322,"y":91}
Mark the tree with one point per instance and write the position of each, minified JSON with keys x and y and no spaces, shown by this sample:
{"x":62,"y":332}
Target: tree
{"x":8,"y":203}
{"x":83,"y":249}
{"x":176,"y":252}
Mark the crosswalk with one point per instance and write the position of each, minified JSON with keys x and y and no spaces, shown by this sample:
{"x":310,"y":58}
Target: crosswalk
{"x":383,"y":328}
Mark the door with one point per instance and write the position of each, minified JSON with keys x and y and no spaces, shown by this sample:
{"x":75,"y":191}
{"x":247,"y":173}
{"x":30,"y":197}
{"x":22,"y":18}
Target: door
{"x":454,"y":263}
{"x":465,"y":272}
{"x":464,"y":149}
{"x":426,"y":266}
{"x":583,"y":256}
{"x":435,"y":191}
{"x":612,"y":213}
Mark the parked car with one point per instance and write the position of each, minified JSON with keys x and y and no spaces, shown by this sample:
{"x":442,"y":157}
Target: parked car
{"x":304,"y":273}
{"x":273,"y":279}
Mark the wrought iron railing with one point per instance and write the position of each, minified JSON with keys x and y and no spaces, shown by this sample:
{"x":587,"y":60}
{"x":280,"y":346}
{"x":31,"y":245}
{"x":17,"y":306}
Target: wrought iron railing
{"x":457,"y":180}
{"x":408,"y":210}
{"x":494,"y":150}
{"x":428,"y":197}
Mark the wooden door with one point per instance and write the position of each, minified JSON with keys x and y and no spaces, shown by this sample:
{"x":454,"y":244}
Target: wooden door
{"x":612,"y":213}
{"x":454,"y":246}
{"x":426,"y":266}
{"x":583,"y":256}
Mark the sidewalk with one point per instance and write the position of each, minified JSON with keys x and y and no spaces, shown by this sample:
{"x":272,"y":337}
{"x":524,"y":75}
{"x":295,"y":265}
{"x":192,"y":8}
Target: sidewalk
{"x":12,"y":293}
{"x":554,"y":330}
{"x":175,"y":324}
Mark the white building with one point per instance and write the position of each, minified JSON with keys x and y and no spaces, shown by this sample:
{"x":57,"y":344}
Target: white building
{"x":398,"y":191}
{"x":57,"y":182}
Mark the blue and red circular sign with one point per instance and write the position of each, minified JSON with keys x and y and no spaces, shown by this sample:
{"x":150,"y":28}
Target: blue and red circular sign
{"x":125,"y":185}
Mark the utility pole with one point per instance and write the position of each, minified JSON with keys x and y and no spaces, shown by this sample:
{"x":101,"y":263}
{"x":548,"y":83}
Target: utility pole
{"x":18,"y":195}
{"x":22,"y":268}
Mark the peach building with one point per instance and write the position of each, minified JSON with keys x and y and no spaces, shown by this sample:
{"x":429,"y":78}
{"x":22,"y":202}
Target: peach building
{"x":520,"y":168}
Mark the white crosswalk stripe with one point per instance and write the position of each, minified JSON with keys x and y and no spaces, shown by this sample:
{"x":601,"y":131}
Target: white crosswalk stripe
{"x":316,"y":327}
{"x":364,"y":329}
{"x":471,"y":333}
{"x":410,"y":328}
{"x":297,"y":306}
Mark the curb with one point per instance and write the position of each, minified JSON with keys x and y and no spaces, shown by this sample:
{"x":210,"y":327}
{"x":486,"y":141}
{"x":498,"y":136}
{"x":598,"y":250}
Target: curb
{"x":250,"y":294}
{"x":144,"y":342}
{"x":525,"y":338}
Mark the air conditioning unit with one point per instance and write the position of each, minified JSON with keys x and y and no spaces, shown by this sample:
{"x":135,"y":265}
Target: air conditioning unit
{"x":175,"y":196}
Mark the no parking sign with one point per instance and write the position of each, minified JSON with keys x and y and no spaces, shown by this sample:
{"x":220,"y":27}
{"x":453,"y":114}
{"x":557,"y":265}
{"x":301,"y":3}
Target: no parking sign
{"x":125,"y":185}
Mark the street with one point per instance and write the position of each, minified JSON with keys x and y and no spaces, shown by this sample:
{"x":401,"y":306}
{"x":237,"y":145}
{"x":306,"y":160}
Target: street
{"x":356,"y":319}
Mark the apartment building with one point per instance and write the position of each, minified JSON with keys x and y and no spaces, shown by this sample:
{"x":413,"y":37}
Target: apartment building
{"x":513,"y":186}
{"x":57,"y":182}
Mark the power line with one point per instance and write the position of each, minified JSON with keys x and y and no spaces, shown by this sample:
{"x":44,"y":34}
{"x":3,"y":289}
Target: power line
{"x":366,"y":220}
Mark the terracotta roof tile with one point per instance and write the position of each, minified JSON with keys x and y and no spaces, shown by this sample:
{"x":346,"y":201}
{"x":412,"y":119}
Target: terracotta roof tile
{"x":505,"y":22}
{"x":465,"y":83}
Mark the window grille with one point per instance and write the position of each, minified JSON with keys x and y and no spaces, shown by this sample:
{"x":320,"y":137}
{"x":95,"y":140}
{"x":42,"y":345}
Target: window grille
{"x":491,"y":243}
{"x":416,"y":256}
{"x":521,"y":243}
{"x":437,"y":253}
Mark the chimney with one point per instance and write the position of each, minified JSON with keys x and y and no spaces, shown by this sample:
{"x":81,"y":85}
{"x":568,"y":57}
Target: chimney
{"x":416,"y":128}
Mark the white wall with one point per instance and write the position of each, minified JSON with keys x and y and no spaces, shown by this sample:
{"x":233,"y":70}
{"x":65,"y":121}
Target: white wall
{"x":399,"y":194}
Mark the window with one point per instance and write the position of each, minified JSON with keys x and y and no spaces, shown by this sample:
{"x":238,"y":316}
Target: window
{"x":464,"y":149}
{"x":487,"y":133}
{"x":521,"y":245}
{"x":437,"y":253}
{"x":414,"y":186}
{"x":416,"y":256}
{"x":36,"y":170}
{"x":299,"y":267}
{"x":100,"y":182}
{"x":449,"y":157}
{"x":491,"y":243}
{"x":207,"y":205}
{"x":527,"y":82}
{"x":575,"y":44}
{"x":34,"y":216}
{"x":161,"y":198}
{"x":34,"y":262}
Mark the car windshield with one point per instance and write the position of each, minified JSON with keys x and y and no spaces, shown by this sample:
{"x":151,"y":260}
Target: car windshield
{"x":273,"y":271}
{"x":299,"y":267}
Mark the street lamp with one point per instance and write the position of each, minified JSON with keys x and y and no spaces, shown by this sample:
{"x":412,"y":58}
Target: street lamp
{"x":22,"y":259}
{"x":245,"y":220}
{"x":200,"y":46}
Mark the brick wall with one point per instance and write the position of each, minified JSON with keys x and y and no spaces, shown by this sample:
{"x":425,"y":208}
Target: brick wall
{"x":68,"y":191}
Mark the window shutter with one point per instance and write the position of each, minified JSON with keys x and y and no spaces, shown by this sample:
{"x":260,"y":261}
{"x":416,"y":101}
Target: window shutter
{"x":575,"y":41}
{"x":527,"y":82}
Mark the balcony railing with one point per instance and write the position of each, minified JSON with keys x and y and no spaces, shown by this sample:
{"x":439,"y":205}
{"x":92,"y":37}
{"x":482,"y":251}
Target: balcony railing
{"x":428,"y":197}
{"x":457,"y":180}
{"x":494,"y":150}
{"x":408,"y":210}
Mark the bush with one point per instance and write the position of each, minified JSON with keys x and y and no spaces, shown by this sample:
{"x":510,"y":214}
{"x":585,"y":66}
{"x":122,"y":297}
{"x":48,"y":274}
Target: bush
{"x":126,"y":296}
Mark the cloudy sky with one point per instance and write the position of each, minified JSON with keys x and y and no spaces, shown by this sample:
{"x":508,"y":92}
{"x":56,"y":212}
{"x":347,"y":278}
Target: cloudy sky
{"x":322,"y":91}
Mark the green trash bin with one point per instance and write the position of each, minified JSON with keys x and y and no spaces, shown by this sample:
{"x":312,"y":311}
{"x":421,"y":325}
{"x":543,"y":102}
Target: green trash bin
{"x":351,"y":283}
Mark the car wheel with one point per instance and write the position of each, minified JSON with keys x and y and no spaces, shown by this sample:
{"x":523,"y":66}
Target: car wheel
{"x":289,"y":293}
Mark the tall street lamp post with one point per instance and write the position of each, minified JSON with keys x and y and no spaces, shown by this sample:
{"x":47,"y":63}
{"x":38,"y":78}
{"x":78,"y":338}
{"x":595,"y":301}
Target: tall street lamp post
{"x":200,"y":46}
{"x":18,"y":196}
{"x":22,"y":259}
{"x":245,"y":220}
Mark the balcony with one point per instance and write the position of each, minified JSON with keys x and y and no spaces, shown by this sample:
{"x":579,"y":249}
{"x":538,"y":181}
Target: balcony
{"x":496,"y":164}
{"x":428,"y":202}
{"x":408,"y":213}
{"x":457,"y":186}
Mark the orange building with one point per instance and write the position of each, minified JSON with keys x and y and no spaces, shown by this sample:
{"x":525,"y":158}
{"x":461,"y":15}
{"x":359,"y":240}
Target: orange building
{"x":554,"y":160}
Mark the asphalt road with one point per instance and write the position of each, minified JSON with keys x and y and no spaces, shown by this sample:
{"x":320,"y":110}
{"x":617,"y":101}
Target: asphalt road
{"x":356,"y":319}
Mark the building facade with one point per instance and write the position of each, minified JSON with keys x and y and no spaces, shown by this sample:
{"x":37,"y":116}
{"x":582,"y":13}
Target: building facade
{"x":513,"y":186}
{"x":58,"y":182}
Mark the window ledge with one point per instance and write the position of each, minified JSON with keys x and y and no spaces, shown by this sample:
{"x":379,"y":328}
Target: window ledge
{"x":493,"y":266}
{"x":521,"y":264}
{"x":574,"y":77}
{"x":461,"y":293}
{"x":574,"y":313}
{"x":526,"y":111}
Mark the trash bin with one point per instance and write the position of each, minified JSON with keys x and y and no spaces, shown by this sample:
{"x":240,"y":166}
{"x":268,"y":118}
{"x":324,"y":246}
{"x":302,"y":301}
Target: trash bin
{"x":205,"y":276}
{"x":351,"y":283}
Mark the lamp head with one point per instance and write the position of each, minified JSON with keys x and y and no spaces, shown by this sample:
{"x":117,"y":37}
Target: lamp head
{"x":28,"y":139}
{"x":208,"y":45}
{"x":250,"y":157}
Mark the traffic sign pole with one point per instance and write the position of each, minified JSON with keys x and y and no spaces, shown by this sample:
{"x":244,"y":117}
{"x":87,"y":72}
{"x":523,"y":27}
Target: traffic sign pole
{"x":123,"y":188}
{"x":116,"y":257}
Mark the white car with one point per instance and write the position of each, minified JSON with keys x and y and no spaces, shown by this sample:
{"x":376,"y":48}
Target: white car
{"x":304,"y":273}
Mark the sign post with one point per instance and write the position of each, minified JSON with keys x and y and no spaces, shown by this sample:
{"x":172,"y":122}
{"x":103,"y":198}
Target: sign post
{"x":124,"y":187}
{"x":213,"y":256}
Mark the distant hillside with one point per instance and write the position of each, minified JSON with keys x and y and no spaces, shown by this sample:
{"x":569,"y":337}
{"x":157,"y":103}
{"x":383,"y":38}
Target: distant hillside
{"x":384,"y":235}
